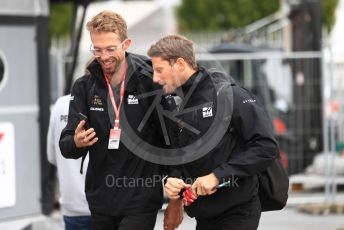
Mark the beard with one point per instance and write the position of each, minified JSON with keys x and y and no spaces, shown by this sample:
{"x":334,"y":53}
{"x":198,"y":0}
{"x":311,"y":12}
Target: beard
{"x":110,"y":65}
{"x":169,"y":89}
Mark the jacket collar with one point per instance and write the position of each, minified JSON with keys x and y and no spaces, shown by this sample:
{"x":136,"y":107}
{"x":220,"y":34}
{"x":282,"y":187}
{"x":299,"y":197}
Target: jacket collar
{"x":195,"y":78}
{"x":138,"y":67}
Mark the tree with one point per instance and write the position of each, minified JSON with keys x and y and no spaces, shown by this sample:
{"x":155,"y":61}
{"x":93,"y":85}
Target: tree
{"x":60,"y":19}
{"x":215,"y":15}
{"x":212,"y":15}
{"x":328,"y":17}
{"x":63,"y":16}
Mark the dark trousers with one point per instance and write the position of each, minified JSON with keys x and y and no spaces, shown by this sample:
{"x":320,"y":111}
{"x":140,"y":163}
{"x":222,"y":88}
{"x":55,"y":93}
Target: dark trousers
{"x":243,"y":217}
{"x":77,"y":222}
{"x":143,"y":221}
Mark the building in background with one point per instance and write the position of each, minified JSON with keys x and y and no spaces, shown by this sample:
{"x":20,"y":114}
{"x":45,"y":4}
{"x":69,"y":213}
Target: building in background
{"x":24,"y":107}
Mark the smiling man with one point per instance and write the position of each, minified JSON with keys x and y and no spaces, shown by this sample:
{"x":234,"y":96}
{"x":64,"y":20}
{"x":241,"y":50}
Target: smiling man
{"x":101,"y":100}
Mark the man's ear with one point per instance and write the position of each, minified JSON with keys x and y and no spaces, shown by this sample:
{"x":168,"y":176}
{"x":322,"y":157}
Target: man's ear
{"x":127,"y":44}
{"x":180,"y":64}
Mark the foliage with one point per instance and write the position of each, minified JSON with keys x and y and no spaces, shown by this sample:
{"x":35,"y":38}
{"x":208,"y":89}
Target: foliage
{"x":328,"y":16}
{"x":215,"y":15}
{"x":212,"y":15}
{"x":60,"y":19}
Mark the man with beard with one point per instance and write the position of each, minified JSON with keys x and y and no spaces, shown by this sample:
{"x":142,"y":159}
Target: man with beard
{"x":246,"y":148}
{"x":101,"y":100}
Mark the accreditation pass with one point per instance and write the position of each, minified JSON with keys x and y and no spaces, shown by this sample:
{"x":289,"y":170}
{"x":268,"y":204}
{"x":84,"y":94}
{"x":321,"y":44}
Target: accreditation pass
{"x":115,"y":135}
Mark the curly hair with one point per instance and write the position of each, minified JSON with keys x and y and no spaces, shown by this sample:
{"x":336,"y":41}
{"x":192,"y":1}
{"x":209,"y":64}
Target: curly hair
{"x":108,"y":21}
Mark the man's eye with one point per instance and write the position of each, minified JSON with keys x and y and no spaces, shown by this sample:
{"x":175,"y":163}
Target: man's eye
{"x":111,"y":49}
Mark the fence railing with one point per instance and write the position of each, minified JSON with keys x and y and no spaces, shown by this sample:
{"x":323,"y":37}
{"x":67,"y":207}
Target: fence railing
{"x":291,"y":86}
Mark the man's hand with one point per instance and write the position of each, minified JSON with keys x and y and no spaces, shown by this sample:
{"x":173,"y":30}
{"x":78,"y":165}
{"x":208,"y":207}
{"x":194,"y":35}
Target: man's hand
{"x":84,"y":138}
{"x":205,"y":185}
{"x":173,"y":215}
{"x":173,"y":187}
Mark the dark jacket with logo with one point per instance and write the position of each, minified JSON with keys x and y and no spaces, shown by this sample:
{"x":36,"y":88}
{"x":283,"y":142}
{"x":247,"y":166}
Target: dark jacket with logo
{"x":247,"y":147}
{"x":117,"y":181}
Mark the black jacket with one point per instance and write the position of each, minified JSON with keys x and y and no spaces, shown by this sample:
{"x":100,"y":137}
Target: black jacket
{"x":246,"y":149}
{"x":117,"y":181}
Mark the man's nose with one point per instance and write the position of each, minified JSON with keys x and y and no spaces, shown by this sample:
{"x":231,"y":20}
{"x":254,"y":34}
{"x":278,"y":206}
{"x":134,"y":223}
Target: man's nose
{"x":155,"y":77}
{"x":104,"y":55}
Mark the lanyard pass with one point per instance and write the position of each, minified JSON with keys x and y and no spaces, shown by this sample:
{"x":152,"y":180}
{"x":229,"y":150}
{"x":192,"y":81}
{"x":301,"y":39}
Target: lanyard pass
{"x":115,"y":136}
{"x":115,"y":133}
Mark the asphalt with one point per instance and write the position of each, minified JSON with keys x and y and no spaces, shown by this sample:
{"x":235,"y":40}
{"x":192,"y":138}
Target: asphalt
{"x":289,"y":218}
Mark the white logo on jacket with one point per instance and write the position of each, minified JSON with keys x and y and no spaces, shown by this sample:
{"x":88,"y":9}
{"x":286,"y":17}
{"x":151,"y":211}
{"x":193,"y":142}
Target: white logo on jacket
{"x":249,"y":101}
{"x":132,"y":100}
{"x":96,"y":109}
{"x":207,"y":112}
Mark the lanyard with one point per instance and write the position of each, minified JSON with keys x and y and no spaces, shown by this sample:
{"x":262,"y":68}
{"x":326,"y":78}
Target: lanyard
{"x":112,"y":97}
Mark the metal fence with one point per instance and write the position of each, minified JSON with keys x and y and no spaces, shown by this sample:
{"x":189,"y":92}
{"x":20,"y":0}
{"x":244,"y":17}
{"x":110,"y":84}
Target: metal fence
{"x":291,"y":87}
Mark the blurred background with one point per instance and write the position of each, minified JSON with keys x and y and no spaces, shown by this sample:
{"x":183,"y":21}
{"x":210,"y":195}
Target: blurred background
{"x":288,"y":52}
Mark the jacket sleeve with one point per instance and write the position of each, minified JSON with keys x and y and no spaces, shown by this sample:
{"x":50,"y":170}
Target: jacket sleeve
{"x":51,"y":155}
{"x":258,"y":147}
{"x":78,"y":103}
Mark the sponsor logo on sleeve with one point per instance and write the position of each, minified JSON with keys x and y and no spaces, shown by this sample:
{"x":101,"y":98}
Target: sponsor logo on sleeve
{"x":249,"y":101}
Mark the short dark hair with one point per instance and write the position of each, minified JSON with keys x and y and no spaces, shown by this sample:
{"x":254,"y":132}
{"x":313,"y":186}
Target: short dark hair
{"x":172,"y":47}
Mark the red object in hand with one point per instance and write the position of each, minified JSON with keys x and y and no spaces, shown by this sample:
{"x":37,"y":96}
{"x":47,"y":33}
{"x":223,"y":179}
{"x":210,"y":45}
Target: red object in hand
{"x":188,"y":197}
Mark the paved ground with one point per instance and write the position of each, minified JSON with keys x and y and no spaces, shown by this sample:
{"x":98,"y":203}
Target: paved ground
{"x":288,"y":219}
